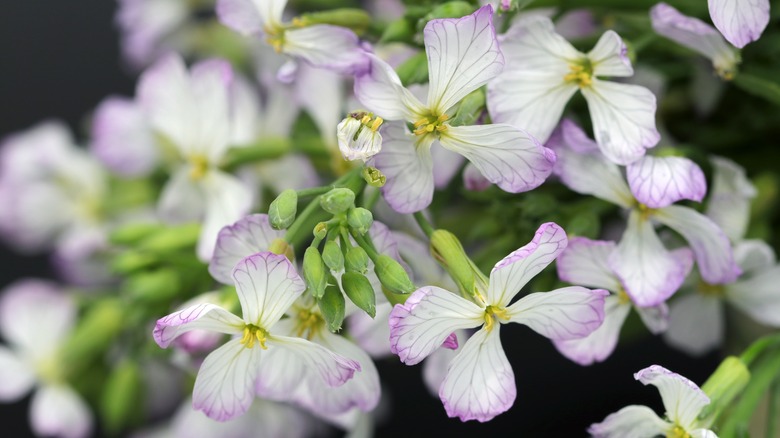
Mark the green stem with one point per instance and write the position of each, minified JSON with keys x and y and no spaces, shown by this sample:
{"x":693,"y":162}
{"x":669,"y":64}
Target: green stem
{"x":423,"y":223}
{"x":371,"y":201}
{"x":314,"y":191}
{"x":758,"y":347}
{"x":773,"y":411}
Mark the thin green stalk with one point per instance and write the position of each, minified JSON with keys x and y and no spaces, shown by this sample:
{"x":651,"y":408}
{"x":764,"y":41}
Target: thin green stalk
{"x":423,"y":223}
{"x":757,"y":347}
{"x":773,"y":411}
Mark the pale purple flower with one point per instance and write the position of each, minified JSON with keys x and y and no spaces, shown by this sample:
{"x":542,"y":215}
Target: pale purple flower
{"x":740,"y":21}
{"x":36,"y":317}
{"x":586,"y":262}
{"x":148,"y":28}
{"x":649,"y":272}
{"x":683,"y":401}
{"x":122,"y":138}
{"x":267,"y":285}
{"x":697,"y":36}
{"x":463,"y":55}
{"x":544,"y":71}
{"x":480,"y":382}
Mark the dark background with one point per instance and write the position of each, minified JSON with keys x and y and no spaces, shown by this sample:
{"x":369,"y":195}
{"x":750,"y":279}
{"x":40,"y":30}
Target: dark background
{"x":58,"y":59}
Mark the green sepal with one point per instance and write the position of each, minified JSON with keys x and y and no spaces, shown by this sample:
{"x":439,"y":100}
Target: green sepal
{"x":356,"y":260}
{"x":360,"y":220}
{"x":337,"y":200}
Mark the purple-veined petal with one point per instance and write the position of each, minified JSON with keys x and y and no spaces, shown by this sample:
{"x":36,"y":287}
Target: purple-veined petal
{"x":600,"y":344}
{"x":623,"y":118}
{"x":122,"y":138}
{"x":683,"y":399}
{"x":758,"y":296}
{"x":332,"y":368}
{"x":630,"y":422}
{"x":575,"y":138}
{"x":281,"y":371}
{"x":510,"y":274}
{"x":693,"y":34}
{"x":740,"y":21}
{"x":203,"y":316}
{"x":711,"y":247}
{"x":329,"y":47}
{"x":250,"y":235}
{"x":372,"y":334}
{"x":225,"y":384}
{"x":609,"y":57}
{"x":585,"y":262}
{"x":480,"y":383}
{"x":16,"y":377}
{"x":429,"y":316}
{"x":531,"y":44}
{"x":649,"y":272}
{"x":463,"y":55}
{"x":589,"y":173}
{"x":226,"y":200}
{"x":436,"y":365}
{"x":36,"y":315}
{"x":661,"y":181}
{"x":408,"y":168}
{"x":474,"y":180}
{"x":730,"y":196}
{"x":267,"y":284}
{"x":447,"y":165}
{"x":572,"y":312}
{"x":656,"y":318}
{"x":243,"y":16}
{"x":508,"y":157}
{"x":753,"y":256}
{"x":59,"y":411}
{"x":696,"y":324}
{"x":381,"y":92}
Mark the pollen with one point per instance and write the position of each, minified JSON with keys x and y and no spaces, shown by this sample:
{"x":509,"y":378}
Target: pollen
{"x":492,"y":314}
{"x":581,"y":74}
{"x":254,"y":334}
{"x":623,"y":297}
{"x":308,"y":324}
{"x":430,"y":124}
{"x":274,"y":36}
{"x":677,"y":432}
{"x":199,"y":165}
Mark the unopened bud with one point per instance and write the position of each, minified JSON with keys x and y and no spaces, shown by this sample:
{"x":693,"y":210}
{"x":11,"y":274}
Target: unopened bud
{"x":320,"y":230}
{"x":314,"y":272}
{"x":121,"y":396}
{"x":158,"y":285}
{"x":281,"y":213}
{"x":356,"y":260}
{"x":448,"y":251}
{"x":352,"y":18}
{"x":727,"y":382}
{"x":332,"y":256}
{"x":171,"y":238}
{"x":337,"y":200}
{"x":392,"y":275}
{"x":280,"y":246}
{"x":400,"y":30}
{"x":132,"y":233}
{"x":360,"y":220}
{"x":359,"y":290}
{"x":359,"y":137}
{"x":333,"y":307}
{"x":374,"y":177}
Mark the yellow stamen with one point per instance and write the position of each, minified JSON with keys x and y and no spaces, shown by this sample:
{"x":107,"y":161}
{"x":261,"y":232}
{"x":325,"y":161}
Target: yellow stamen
{"x":420,"y":122}
{"x":365,"y":119}
{"x":581,"y":74}
{"x":677,"y":432}
{"x":308,"y":323}
{"x":377,"y":123}
{"x":199,"y":166}
{"x":623,"y":297}
{"x":492,"y":314}
{"x":252,"y":333}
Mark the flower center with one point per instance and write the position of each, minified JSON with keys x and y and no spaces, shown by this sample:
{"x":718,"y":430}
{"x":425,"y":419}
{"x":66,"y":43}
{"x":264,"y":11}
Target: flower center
{"x":430,"y":124}
{"x":644,"y":211}
{"x":581,"y":74}
{"x":623,"y":297}
{"x":199,"y":165}
{"x":493,"y":313}
{"x":252,"y":334}
{"x":677,"y":432}
{"x":710,"y":290}
{"x":274,"y":36}
{"x":308,"y":324}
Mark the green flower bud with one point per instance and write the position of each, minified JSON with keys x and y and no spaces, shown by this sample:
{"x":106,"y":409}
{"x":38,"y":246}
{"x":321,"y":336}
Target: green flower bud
{"x":727,"y":382}
{"x":132,"y":233}
{"x":448,"y":251}
{"x":95,"y":331}
{"x":281,"y":213}
{"x":360,"y":220}
{"x":158,"y":285}
{"x":392,"y":275}
{"x":121,"y":396}
{"x":172,"y":238}
{"x":332,"y":256}
{"x":414,"y":70}
{"x":333,"y":307}
{"x":320,"y":230}
{"x":337,"y":200}
{"x":132,"y":261}
{"x":374,"y":177}
{"x":400,"y":30}
{"x":359,"y":290}
{"x":352,"y":18}
{"x":356,"y":260}
{"x":314,"y":272}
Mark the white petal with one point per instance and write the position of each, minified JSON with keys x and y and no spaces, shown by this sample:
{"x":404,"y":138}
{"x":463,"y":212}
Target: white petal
{"x":703,"y":433}
{"x":372,"y":334}
{"x":210,"y":82}
{"x":59,"y":411}
{"x":203,"y":316}
{"x":597,"y":346}
{"x":480,"y":383}
{"x":227,"y":200}
{"x":447,"y":165}
{"x":463,"y":55}
{"x":321,"y":93}
{"x":589,"y":173}
{"x":508,"y":157}
{"x":714,"y":255}
{"x":758,"y":296}
{"x":740,"y":21}
{"x":267,"y":285}
{"x":609,"y":56}
{"x":332,"y":368}
{"x":511,"y":273}
{"x":649,"y":272}
{"x":328,"y":47}
{"x":730,"y":196}
{"x":427,"y":319}
{"x":531,"y":44}
{"x":244,"y":110}
{"x":182,"y":199}
{"x":753,"y":255}
{"x":630,"y":422}
{"x":293,"y":171}
{"x":225,"y":384}
{"x":623,"y":118}
{"x":437,"y":364}
{"x":696,"y":324}
{"x":122,"y":138}
{"x":16,"y":377}
{"x":656,"y":318}
{"x":683,"y":399}
{"x":250,"y":235}
{"x":381,"y":92}
{"x":585,"y":262}
{"x":36,"y":316}
{"x":568,"y":313}
{"x":281,"y":372}
{"x":408,"y":168}
{"x":661,"y":181}
{"x":243,"y":16}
